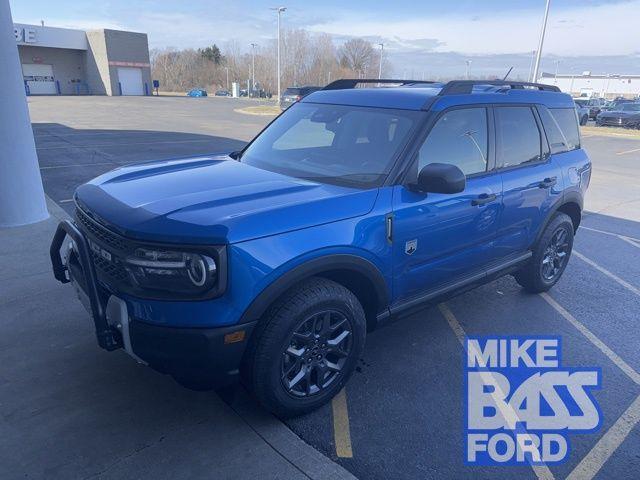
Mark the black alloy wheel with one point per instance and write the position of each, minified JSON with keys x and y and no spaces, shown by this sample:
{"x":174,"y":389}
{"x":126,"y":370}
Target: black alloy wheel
{"x":316,"y":354}
{"x":555,"y":255}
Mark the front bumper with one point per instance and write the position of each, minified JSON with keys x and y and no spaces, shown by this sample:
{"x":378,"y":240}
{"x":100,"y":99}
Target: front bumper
{"x":211,"y":354}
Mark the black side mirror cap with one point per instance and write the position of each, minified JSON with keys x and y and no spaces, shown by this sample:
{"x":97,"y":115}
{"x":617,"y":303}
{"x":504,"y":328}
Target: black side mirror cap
{"x":441,"y":178}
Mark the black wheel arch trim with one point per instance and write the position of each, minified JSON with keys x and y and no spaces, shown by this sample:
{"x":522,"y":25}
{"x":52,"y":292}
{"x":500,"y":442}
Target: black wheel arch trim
{"x":316,"y":267}
{"x":567,"y":198}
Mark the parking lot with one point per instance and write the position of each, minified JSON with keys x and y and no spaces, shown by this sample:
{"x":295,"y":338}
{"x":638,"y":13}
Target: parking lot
{"x":400,"y":416}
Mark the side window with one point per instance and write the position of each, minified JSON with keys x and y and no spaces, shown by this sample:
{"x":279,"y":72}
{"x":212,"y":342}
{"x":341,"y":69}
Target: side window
{"x":460,"y":137}
{"x":564,"y":128}
{"x":518,"y":139}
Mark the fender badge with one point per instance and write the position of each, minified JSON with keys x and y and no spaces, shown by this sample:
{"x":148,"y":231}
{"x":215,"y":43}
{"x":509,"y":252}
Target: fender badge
{"x":411,"y":246}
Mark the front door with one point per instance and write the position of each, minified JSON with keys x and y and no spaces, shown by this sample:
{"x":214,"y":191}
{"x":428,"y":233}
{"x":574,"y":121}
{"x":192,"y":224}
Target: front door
{"x":438,"y":238}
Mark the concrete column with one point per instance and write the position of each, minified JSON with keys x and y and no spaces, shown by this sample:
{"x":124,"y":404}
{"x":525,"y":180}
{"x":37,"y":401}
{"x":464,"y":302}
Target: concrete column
{"x":21,"y":193}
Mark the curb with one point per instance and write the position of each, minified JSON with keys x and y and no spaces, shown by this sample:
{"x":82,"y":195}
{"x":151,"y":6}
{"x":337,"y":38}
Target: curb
{"x":280,"y":438}
{"x":244,"y":111}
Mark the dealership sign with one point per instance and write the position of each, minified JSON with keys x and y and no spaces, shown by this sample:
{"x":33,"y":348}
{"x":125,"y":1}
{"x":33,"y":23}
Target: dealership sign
{"x":521,"y":404}
{"x":25,"y":35}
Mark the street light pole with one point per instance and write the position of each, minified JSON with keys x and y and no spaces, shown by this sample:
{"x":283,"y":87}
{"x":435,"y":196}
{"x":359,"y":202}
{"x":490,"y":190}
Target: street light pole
{"x":253,"y":67}
{"x":468,"y":62}
{"x":227,"y":69}
{"x":555,"y":77}
{"x":380,"y":66}
{"x":279,"y":10}
{"x":536,"y":68}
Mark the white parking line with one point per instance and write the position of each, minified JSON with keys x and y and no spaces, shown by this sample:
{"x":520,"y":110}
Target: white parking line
{"x":124,"y":144}
{"x":51,"y":167}
{"x":591,"y":464}
{"x":600,"y":345}
{"x":606,"y":272}
{"x":541,"y":471}
{"x":633,"y":241}
{"x":628,"y":151}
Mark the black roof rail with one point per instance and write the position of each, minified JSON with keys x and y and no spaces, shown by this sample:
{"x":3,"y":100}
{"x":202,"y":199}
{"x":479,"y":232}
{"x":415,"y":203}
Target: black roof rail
{"x":459,"y":87}
{"x":347,"y":83}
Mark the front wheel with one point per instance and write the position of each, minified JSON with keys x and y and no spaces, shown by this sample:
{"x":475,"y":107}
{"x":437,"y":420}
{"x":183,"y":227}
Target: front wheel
{"x":308,"y":348}
{"x":550,"y":256}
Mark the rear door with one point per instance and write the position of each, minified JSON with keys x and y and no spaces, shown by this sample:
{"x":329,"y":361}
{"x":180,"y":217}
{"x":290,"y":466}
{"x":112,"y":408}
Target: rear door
{"x":532,"y":182}
{"x":439,"y":238}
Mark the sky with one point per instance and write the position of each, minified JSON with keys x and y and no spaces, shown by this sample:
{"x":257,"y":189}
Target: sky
{"x":422,"y":38}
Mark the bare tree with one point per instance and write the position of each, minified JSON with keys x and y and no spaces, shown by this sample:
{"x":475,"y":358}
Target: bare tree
{"x":357,"y":55}
{"x":307,"y":59}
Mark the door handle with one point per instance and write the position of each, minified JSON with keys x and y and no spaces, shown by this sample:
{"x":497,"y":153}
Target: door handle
{"x":548,"y":182}
{"x":483,"y":198}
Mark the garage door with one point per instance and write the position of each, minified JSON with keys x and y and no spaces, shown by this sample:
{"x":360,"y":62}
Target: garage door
{"x":39,"y":78}
{"x":130,"y":80}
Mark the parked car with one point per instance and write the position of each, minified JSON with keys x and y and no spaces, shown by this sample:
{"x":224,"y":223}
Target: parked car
{"x":615,"y":104}
{"x":593,"y":104}
{"x":354,"y":206}
{"x":223,"y":93}
{"x":197,"y":92}
{"x":624,"y":115}
{"x":583,"y":113}
{"x":294,"y":94}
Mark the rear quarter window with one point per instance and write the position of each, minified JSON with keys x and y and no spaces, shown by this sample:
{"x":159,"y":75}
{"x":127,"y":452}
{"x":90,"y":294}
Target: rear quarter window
{"x":561,"y":127}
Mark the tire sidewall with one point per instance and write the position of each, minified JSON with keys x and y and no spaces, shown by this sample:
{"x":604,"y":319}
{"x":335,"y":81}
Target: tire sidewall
{"x":268,"y":372}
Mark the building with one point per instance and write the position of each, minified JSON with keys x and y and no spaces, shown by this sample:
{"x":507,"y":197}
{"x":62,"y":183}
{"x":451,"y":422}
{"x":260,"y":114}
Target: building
{"x":609,"y":86}
{"x":61,"y":61}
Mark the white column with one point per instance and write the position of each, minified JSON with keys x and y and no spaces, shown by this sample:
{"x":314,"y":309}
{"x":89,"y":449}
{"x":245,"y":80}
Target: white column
{"x":21,"y":193}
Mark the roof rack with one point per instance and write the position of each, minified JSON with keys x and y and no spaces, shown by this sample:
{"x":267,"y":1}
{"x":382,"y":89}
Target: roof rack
{"x":347,"y":83}
{"x":460,"y":87}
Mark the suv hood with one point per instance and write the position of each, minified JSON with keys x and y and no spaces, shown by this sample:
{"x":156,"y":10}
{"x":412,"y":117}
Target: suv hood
{"x":213,"y":200}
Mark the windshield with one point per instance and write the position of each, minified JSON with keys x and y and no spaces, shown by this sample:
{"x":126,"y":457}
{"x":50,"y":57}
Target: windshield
{"x":339,"y":144}
{"x":630,"y":107}
{"x":582,"y":103}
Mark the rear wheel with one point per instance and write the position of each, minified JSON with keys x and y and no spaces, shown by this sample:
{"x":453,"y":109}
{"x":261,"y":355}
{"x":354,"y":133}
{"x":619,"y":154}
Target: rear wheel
{"x":584,"y":120}
{"x":308,"y":348}
{"x":550,"y":256}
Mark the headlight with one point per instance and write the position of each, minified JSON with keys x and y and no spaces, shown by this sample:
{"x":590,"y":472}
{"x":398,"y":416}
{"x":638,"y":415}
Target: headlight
{"x":172,"y":271}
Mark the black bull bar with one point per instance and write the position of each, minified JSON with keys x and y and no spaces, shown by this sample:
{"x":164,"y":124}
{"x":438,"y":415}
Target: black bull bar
{"x":107,"y":337}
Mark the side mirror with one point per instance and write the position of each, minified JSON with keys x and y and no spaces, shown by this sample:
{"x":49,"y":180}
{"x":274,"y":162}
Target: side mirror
{"x":441,"y":178}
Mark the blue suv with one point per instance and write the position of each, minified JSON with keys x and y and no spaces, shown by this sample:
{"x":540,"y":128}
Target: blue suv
{"x":352,"y":207}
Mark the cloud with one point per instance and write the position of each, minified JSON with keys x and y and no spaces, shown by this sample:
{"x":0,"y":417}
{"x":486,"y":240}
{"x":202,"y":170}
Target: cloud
{"x":609,"y":29}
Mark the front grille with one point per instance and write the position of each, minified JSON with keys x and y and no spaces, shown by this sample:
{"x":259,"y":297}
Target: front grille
{"x":101,"y":233}
{"x":114,"y":269}
{"x":111,"y":271}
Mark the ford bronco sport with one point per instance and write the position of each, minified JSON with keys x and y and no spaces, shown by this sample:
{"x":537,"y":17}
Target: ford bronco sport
{"x":353,"y":206}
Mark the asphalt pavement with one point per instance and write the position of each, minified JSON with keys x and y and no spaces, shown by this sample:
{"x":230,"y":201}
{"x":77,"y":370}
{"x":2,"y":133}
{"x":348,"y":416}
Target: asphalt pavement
{"x":401,"y":414}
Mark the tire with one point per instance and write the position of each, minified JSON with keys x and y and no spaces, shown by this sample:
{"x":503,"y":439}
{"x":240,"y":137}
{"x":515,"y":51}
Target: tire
{"x":549,"y":261}
{"x":295,"y":366}
{"x":584,"y":120}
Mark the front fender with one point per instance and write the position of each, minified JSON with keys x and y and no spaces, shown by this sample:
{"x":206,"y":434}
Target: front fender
{"x":326,"y":260}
